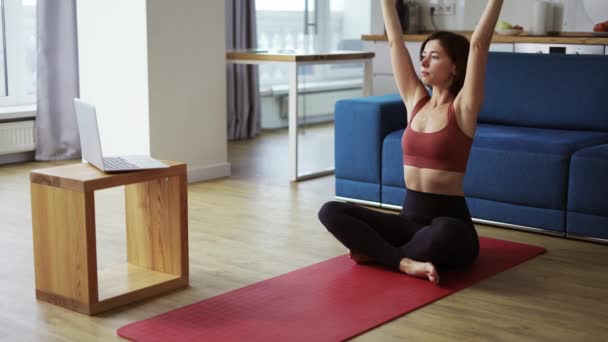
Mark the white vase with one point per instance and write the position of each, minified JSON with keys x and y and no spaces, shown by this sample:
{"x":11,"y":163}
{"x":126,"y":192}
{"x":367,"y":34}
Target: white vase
{"x":558,"y":17}
{"x":540,"y":16}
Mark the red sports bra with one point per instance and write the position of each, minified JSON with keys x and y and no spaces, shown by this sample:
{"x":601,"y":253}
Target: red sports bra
{"x":447,"y":149}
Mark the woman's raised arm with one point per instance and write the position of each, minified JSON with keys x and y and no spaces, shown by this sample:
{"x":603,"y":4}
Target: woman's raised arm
{"x":410,"y":87}
{"x":470,"y":98}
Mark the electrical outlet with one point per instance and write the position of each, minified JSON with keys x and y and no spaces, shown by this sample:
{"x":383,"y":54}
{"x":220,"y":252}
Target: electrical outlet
{"x":444,"y":8}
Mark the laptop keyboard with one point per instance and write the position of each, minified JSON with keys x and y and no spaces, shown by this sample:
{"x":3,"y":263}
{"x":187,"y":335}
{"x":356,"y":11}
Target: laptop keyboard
{"x":118,"y":164}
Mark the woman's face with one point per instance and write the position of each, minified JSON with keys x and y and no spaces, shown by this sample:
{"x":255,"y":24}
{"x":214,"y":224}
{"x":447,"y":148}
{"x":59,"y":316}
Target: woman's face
{"x":436,"y":67}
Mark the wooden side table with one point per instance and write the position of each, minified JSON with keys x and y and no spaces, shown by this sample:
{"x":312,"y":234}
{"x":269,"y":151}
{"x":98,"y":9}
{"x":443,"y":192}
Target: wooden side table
{"x":65,"y":251}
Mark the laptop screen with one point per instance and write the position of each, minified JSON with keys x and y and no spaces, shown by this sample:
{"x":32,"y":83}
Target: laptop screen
{"x":89,"y":133}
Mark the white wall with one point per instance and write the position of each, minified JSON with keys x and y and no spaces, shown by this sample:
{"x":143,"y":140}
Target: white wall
{"x":581,"y":15}
{"x":377,"y":22}
{"x":571,"y":15}
{"x":187,"y":88}
{"x":155,"y":69}
{"x":112,"y":44}
{"x":568,"y":15}
{"x":356,"y":18}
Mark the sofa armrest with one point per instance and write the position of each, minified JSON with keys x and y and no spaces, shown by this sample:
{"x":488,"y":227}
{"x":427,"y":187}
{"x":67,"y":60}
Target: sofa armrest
{"x":361,"y":125}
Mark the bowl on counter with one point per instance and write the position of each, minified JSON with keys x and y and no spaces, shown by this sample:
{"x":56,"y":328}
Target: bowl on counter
{"x":509,"y":32}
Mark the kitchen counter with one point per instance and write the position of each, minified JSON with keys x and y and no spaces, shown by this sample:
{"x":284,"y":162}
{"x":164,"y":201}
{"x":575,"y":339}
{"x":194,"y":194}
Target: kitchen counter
{"x":584,"y":38}
{"x":573,"y":43}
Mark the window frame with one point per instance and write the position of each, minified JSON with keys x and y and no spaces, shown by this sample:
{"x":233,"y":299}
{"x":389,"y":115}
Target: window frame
{"x":321,"y":12}
{"x":15,"y":56}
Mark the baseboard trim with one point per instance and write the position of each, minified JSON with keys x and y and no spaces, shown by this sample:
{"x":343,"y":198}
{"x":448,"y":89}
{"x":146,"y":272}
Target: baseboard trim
{"x":352,"y":200}
{"x":518,"y":227}
{"x":588,"y":239}
{"x":19,"y":157}
{"x":391,"y":206}
{"x":203,"y":173}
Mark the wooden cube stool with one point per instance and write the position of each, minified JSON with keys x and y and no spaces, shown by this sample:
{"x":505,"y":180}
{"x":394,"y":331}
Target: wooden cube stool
{"x":65,"y":251}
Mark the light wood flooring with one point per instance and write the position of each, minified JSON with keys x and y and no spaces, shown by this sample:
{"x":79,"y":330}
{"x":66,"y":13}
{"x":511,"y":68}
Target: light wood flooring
{"x":256,"y":225}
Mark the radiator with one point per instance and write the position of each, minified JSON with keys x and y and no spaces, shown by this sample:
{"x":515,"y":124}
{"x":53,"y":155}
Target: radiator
{"x":16,"y":137}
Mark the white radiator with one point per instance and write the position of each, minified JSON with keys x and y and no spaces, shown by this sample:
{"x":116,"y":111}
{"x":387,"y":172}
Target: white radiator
{"x":16,"y":137}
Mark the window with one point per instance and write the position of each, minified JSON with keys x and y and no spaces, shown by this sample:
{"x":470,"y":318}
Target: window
{"x":17,"y":52}
{"x":319,"y":25}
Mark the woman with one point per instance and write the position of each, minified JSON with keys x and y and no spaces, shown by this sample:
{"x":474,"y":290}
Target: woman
{"x":434,"y":230}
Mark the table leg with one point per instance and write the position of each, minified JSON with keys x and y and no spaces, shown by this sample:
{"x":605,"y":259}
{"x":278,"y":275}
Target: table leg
{"x":368,"y":75}
{"x":293,"y":121}
{"x":65,"y":256}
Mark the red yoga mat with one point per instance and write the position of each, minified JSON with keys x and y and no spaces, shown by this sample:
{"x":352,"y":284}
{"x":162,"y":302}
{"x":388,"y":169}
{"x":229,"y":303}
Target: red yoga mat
{"x":330,"y":301}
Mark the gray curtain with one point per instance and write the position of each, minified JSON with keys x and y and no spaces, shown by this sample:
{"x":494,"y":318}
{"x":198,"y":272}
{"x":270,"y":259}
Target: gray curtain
{"x":244,"y":113}
{"x":56,"y":128}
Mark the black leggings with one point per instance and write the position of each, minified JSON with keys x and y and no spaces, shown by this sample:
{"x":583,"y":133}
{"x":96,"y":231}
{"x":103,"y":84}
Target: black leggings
{"x":430,"y":227}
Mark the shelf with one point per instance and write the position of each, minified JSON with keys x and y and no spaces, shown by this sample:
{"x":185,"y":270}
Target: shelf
{"x":126,"y":278}
{"x":585,"y":38}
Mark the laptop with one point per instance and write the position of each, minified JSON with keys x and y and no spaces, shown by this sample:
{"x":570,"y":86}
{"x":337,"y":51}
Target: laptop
{"x":91,"y":145}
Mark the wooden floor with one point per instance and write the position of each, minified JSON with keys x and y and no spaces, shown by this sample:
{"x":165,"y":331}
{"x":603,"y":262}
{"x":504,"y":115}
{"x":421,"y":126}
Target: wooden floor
{"x":255,"y":225}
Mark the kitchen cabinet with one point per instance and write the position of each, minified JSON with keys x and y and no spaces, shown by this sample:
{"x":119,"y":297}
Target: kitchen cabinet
{"x":502,"y":47}
{"x":571,"y":49}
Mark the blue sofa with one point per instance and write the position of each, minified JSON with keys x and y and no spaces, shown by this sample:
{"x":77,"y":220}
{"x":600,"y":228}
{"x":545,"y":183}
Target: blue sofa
{"x":539,"y":160}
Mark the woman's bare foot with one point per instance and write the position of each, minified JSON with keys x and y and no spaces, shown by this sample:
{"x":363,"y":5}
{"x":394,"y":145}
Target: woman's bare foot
{"x":360,"y":258}
{"x":419,"y":269}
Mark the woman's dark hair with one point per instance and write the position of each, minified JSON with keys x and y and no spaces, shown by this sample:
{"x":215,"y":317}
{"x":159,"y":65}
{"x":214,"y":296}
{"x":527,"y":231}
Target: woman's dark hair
{"x":457,"y":48}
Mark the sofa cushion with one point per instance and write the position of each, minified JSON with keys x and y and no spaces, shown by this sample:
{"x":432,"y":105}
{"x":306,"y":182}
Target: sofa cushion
{"x":360,"y":127}
{"x":524,"y":166}
{"x":588,"y":193}
{"x":546,"y":91}
{"x":392,"y":160}
{"x":357,"y":190}
{"x":393,"y":196}
{"x":519,"y":215}
{"x":393,"y":185}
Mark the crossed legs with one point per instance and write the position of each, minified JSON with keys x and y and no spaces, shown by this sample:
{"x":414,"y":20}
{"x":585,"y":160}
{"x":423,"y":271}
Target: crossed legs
{"x":410,"y":244}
